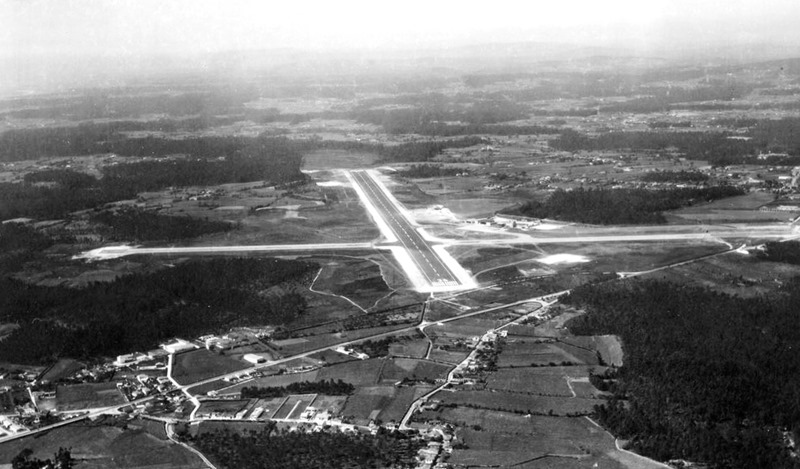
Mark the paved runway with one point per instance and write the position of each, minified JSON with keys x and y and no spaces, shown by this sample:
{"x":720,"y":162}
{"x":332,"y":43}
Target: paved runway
{"x":433,"y":269}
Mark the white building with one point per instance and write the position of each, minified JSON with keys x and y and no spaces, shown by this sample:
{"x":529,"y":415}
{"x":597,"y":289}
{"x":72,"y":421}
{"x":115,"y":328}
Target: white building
{"x":254,"y":359}
{"x":179,"y":345}
{"x":130,"y":358}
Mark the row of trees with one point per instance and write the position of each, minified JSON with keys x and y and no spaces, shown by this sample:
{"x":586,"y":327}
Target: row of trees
{"x":137,"y":311}
{"x":708,"y":377}
{"x":328,"y":387}
{"x":618,"y":206}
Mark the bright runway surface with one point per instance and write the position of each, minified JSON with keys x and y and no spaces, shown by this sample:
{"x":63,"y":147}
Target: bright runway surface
{"x":429,"y":267}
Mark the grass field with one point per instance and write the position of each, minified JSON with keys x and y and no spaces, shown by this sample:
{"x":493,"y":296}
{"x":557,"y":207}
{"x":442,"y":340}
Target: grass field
{"x":100,"y":446}
{"x":358,"y":280}
{"x":85,"y":396}
{"x":331,"y":357}
{"x":201,"y":364}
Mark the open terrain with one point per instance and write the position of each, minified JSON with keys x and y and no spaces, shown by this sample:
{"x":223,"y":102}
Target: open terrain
{"x":413,"y":233}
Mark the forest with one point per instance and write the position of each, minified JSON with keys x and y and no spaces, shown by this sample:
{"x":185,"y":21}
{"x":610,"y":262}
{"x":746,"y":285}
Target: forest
{"x":691,"y":177}
{"x":131,"y":224}
{"x":781,"y":251}
{"x":137,"y":311}
{"x":718,"y":148}
{"x":284,"y":449}
{"x":62,"y":459}
{"x":328,"y":387}
{"x":618,"y":206}
{"x":19,"y":244}
{"x":70,"y":191}
{"x":272,"y":160}
{"x":708,"y":377}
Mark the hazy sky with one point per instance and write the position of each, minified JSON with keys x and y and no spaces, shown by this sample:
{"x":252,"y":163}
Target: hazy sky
{"x":58,"y":44}
{"x":196,"y":26}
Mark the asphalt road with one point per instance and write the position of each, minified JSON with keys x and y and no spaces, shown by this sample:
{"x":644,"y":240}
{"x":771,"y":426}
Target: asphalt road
{"x":433,"y":270}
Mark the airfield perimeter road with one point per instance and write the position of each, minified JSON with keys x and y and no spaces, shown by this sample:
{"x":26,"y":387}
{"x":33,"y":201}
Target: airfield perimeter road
{"x":435,"y":272}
